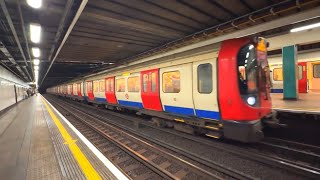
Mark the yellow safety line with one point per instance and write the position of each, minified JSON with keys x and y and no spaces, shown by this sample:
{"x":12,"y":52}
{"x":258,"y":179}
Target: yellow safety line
{"x":83,"y":162}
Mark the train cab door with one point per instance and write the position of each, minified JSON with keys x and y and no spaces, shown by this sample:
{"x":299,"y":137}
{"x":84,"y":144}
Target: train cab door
{"x":205,"y":89}
{"x":109,"y":92}
{"x":150,"y":94}
{"x":302,"y":77}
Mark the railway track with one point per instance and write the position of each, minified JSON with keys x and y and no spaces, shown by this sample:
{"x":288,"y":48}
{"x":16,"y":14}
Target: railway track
{"x":293,"y":167}
{"x":300,"y":152}
{"x":162,"y":163}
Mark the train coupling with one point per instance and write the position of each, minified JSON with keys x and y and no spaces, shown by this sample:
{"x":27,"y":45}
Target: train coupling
{"x":272,"y":121}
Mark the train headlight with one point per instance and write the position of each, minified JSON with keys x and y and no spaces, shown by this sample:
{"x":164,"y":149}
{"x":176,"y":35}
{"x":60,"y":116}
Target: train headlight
{"x":251,"y":100}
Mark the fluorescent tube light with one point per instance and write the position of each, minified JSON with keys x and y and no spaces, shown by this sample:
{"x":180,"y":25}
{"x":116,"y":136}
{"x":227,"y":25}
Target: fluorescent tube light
{"x":305,"y":27}
{"x":35,"y":3}
{"x":36,"y":62}
{"x":35,"y":32}
{"x":36,"y":52}
{"x":36,"y":68}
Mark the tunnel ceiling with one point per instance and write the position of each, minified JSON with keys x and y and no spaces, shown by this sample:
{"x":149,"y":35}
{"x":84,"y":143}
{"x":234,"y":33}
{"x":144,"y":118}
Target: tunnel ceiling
{"x":109,"y":33}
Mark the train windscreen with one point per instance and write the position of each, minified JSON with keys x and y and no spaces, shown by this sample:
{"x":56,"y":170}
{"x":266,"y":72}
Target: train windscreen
{"x":247,"y":70}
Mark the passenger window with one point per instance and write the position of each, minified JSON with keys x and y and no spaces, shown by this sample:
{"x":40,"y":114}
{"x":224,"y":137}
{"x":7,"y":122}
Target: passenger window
{"x":120,"y":83}
{"x":134,"y":84}
{"x":79,"y":87}
{"x":96,"y":86}
{"x":277,"y":74}
{"x":205,"y":78}
{"x":153,"y":82}
{"x":89,"y":86}
{"x":111,"y":85}
{"x":145,"y":82}
{"x":74,"y":88}
{"x":102,"y":86}
{"x":299,"y":72}
{"x":316,"y":71}
{"x":171,"y":82}
{"x":108,"y":85}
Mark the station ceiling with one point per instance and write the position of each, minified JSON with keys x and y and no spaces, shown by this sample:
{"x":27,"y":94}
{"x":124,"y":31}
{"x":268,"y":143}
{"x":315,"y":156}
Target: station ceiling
{"x":109,"y":33}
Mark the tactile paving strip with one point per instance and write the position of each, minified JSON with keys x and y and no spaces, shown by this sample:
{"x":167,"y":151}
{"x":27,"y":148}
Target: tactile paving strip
{"x":68,"y":164}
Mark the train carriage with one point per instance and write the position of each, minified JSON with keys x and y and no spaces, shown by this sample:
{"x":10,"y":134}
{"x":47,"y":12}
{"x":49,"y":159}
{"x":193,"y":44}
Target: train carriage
{"x":220,"y":89}
{"x":308,"y":76}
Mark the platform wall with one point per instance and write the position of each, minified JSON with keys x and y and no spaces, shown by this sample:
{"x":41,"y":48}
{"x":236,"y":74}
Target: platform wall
{"x":7,"y":95}
{"x":11,"y":88}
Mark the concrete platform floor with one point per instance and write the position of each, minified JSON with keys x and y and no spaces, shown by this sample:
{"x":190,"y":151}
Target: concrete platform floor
{"x":33,"y":147}
{"x":306,"y":102}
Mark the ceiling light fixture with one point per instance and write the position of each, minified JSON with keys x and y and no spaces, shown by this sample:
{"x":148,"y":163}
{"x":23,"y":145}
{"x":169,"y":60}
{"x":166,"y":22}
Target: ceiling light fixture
{"x":35,"y":32}
{"x":36,"y":62}
{"x":36,"y":52}
{"x":311,"y":26}
{"x":36,"y":68}
{"x":35,"y":3}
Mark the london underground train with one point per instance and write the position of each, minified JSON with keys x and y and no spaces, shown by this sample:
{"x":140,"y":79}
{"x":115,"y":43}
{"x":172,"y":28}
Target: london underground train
{"x":220,"y":90}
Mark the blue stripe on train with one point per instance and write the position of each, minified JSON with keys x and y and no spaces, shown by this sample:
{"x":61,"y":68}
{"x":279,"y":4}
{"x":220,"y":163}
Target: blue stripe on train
{"x":179,"y":110}
{"x":130,"y":103}
{"x":103,"y":100}
{"x":189,"y":112}
{"x":208,"y":114}
{"x":276,"y":90}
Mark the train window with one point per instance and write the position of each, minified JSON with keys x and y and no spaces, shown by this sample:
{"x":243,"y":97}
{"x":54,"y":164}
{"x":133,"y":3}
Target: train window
{"x":89,"y":86}
{"x":171,"y":82}
{"x":153,"y":82}
{"x":134,"y":84}
{"x":145,"y":82}
{"x":109,"y":85}
{"x":205,"y":78}
{"x":299,"y":72}
{"x":74,"y":86}
{"x":247,"y":80}
{"x":121,"y":85}
{"x":79,"y":87}
{"x":316,"y":71}
{"x":277,"y":74}
{"x":101,"y":86}
{"x":96,"y":86}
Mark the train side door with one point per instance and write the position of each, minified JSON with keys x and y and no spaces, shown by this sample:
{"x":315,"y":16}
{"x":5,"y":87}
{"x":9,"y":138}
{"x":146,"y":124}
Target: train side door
{"x":205,"y":89}
{"x":90,"y":90}
{"x":150,"y":94}
{"x":176,"y":89}
{"x":302,"y":77}
{"x":109,"y":92}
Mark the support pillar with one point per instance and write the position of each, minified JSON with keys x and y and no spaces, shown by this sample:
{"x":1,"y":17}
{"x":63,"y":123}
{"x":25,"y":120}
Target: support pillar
{"x":290,"y":80}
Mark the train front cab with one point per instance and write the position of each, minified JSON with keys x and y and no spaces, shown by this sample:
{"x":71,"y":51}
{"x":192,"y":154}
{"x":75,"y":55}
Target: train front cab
{"x":244,"y":88}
